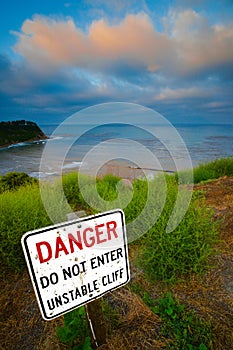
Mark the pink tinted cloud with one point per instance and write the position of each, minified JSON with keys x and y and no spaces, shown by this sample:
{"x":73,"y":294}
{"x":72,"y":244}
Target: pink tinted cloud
{"x":135,"y":38}
{"x":199,"y":44}
{"x":191,"y":44}
{"x":43,"y":41}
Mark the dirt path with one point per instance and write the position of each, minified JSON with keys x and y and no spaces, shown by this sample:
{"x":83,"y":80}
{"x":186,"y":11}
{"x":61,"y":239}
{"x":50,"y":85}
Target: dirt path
{"x":213,"y":296}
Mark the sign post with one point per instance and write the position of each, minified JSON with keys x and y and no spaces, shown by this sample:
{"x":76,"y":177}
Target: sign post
{"x":76,"y":262}
{"x":94,"y":313}
{"x":96,"y":323}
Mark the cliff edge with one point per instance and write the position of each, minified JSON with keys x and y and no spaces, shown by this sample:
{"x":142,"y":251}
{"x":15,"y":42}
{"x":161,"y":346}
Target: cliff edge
{"x":12,"y":132}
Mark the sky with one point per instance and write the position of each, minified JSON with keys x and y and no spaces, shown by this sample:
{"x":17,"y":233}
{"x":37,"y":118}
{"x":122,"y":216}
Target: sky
{"x":174,"y":56}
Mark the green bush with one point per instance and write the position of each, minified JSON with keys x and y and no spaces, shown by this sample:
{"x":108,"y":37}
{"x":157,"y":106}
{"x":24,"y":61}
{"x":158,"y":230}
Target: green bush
{"x":168,"y":256}
{"x":21,"y":211}
{"x":13,"y":180}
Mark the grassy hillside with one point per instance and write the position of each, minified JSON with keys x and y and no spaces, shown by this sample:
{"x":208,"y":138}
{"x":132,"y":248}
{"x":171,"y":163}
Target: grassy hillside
{"x":174,"y":299}
{"x":192,"y":241}
{"x":19,"y":131}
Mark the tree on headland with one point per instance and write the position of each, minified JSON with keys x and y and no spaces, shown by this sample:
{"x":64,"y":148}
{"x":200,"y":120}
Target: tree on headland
{"x":19,"y":131}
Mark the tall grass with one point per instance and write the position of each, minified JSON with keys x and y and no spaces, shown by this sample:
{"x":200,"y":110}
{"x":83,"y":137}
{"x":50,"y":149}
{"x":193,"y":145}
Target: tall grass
{"x":21,"y":211}
{"x":72,"y":191}
{"x":163,"y":255}
{"x":213,"y":170}
{"x":208,"y":171}
{"x":170,"y":256}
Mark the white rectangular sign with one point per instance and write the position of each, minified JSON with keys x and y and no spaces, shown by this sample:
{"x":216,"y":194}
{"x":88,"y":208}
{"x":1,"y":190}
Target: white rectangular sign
{"x":75,"y":262}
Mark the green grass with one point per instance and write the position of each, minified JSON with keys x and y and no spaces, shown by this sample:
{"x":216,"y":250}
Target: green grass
{"x":208,"y":171}
{"x":213,"y":170}
{"x":75,"y":331}
{"x":163,"y":255}
{"x":170,"y":256}
{"x":184,"y":328}
{"x":21,"y":211}
{"x":72,"y":190}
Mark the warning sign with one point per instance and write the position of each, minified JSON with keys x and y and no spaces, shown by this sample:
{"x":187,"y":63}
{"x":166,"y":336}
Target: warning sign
{"x":75,"y":262}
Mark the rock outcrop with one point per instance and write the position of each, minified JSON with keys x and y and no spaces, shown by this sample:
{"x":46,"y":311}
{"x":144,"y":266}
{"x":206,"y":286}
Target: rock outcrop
{"x":12,"y":132}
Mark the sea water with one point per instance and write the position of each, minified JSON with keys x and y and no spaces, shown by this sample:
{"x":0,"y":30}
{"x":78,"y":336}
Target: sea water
{"x":204,"y":143}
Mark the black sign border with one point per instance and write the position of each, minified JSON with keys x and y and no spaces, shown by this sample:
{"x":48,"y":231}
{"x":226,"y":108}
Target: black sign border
{"x":66,"y":224}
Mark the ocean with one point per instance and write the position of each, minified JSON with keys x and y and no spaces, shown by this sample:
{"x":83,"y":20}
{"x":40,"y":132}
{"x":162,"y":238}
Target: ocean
{"x":120,"y":149}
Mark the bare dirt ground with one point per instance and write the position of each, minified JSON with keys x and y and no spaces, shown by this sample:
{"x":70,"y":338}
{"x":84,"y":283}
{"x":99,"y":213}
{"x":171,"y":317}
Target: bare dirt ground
{"x":213,"y":295}
{"x":22,"y":326}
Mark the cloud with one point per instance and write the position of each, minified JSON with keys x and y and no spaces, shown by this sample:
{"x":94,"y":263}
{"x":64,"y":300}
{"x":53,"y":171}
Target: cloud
{"x":192,"y":46}
{"x":200,"y":45}
{"x":184,"y":93}
{"x":65,"y":68}
{"x":24,"y":91}
{"x":50,"y":43}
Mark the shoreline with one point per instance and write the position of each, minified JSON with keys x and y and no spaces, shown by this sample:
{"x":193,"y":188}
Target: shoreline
{"x":120,"y":169}
{"x":31,"y":141}
{"x":130,"y":172}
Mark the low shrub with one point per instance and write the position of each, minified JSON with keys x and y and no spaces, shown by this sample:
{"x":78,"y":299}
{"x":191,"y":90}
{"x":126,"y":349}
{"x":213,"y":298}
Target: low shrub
{"x":13,"y":180}
{"x":170,"y":256}
{"x":75,"y":330}
{"x":185,"y":329}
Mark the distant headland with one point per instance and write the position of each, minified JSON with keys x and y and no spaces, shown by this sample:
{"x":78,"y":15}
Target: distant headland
{"x":12,"y":132}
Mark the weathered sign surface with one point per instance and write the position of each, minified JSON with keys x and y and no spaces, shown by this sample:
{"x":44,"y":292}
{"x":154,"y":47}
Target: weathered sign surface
{"x":75,"y":262}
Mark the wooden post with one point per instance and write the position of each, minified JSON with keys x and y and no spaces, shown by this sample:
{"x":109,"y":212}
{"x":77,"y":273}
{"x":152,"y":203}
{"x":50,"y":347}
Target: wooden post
{"x":96,"y":323}
{"x":94,"y":313}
